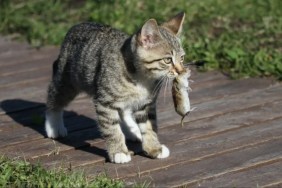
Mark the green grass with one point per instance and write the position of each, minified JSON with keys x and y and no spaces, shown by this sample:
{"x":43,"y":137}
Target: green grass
{"x":17,"y":173}
{"x":242,"y":38}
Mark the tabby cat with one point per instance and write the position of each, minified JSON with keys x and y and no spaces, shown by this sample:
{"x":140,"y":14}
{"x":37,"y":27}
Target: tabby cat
{"x":123,"y":75}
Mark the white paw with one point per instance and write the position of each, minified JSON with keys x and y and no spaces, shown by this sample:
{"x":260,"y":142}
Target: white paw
{"x":54,"y":125}
{"x":121,"y":158}
{"x":51,"y":132}
{"x":164,"y":153}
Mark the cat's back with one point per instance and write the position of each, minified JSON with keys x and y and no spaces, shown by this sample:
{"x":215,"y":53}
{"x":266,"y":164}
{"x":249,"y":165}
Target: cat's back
{"x":88,"y":49}
{"x":93,"y":33}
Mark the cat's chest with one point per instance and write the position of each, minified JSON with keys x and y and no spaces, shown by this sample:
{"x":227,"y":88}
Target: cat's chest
{"x":138,"y":98}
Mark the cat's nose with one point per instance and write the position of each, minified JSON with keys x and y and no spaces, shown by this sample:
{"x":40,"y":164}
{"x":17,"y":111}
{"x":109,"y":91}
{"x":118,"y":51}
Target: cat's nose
{"x":174,"y":71}
{"x":179,"y":68}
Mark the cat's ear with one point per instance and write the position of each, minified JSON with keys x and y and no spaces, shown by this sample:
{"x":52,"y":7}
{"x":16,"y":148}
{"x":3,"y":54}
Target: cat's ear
{"x":174,"y":25}
{"x":149,"y":34}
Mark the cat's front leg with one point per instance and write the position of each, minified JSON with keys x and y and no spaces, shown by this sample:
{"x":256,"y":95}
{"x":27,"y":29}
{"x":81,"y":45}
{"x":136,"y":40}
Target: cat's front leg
{"x":150,"y":144}
{"x":131,"y":129}
{"x":109,"y":124}
{"x":148,"y":127}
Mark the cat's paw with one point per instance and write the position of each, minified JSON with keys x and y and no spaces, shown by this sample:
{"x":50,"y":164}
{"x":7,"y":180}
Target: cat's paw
{"x":56,"y":132}
{"x":121,"y":158}
{"x":54,"y":125}
{"x":164,"y":153}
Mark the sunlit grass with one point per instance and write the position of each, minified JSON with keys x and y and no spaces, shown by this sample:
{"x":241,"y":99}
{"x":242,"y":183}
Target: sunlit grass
{"x":18,"y":173}
{"x":241,"y":38}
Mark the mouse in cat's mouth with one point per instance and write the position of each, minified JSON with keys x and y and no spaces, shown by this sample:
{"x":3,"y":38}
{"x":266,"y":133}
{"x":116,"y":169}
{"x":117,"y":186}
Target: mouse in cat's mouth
{"x":180,"y":90}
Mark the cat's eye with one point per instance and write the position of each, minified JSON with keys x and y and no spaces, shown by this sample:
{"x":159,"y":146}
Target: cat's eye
{"x":182,"y":59}
{"x":167,"y":60}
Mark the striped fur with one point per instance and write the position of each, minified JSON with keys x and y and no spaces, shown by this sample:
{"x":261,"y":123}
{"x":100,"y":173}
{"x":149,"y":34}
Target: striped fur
{"x":123,"y":75}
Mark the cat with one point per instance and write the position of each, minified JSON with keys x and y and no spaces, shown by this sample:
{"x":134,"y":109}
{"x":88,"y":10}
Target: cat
{"x":122,"y":74}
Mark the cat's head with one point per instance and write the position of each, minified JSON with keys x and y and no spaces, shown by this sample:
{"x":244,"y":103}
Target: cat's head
{"x":159,"y":48}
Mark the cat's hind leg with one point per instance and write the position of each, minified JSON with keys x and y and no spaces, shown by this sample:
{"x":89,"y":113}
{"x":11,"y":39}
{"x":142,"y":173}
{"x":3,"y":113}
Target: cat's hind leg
{"x":109,"y":124}
{"x":60,"y":93}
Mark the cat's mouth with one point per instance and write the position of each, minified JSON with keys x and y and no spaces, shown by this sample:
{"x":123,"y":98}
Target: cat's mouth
{"x":172,"y":75}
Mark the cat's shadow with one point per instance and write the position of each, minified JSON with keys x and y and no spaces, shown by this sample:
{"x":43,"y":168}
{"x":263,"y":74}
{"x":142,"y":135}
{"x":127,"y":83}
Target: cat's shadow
{"x":31,"y":114}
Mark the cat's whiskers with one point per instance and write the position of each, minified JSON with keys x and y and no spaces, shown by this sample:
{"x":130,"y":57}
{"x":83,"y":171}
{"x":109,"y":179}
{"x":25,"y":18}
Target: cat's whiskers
{"x":158,"y":86}
{"x":166,"y":84}
{"x":159,"y":82}
{"x":170,"y":83}
{"x":157,"y":89}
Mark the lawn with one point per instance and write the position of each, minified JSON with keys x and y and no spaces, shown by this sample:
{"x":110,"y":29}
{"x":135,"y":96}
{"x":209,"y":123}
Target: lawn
{"x":242,"y":38}
{"x":17,"y":173}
